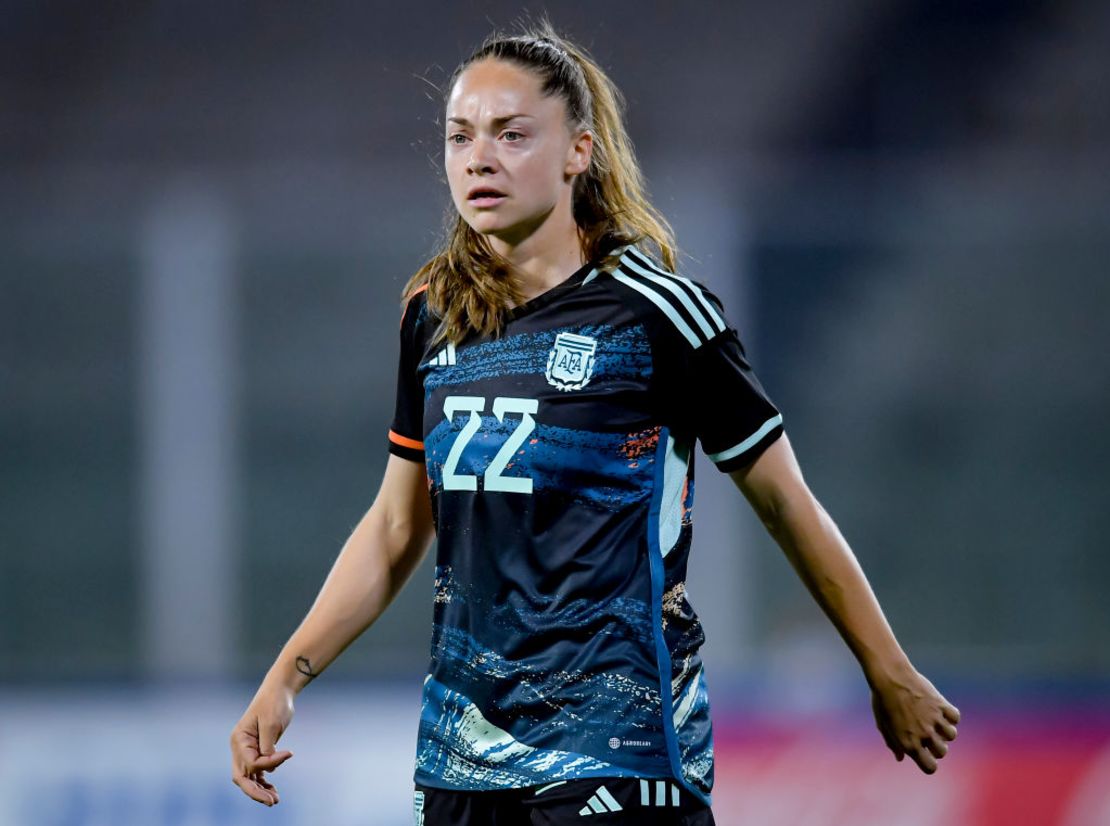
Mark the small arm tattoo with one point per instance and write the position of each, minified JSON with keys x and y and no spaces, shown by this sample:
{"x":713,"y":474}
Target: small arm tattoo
{"x":305,"y":667}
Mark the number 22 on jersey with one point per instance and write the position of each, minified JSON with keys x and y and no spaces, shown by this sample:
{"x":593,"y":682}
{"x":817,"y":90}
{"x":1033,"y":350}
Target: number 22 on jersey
{"x":492,"y":479}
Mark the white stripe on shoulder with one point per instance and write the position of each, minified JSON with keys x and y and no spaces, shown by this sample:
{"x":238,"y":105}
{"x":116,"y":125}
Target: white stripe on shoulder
{"x":663,"y":304}
{"x":646,"y":261}
{"x":749,"y":442}
{"x":595,"y":272}
{"x":675,"y":290}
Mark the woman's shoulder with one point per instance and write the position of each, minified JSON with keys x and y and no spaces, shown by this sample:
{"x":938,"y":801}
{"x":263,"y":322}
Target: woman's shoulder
{"x":672,"y":302}
{"x":414,"y":306}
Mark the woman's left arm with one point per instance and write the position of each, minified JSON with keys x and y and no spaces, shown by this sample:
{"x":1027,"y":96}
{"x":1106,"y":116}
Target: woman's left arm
{"x":910,"y":713}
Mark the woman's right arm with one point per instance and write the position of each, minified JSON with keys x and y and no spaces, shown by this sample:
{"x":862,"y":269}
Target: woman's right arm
{"x":380,"y":555}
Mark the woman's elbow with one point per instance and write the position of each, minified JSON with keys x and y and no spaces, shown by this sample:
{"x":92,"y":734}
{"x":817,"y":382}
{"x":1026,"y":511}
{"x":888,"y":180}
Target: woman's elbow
{"x":783,"y":509}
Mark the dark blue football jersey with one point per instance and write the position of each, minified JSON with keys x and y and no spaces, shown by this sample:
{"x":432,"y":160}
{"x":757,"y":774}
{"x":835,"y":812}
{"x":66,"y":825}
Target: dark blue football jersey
{"x":560,"y":465}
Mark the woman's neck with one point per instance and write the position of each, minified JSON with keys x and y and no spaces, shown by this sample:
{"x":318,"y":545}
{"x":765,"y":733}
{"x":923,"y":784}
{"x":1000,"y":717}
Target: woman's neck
{"x":543,"y":259}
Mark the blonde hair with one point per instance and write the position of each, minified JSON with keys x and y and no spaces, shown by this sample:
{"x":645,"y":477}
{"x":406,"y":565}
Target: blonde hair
{"x":470,"y":287}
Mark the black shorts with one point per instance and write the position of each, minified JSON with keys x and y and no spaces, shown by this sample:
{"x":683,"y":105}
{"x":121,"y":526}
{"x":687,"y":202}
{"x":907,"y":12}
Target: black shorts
{"x":580,"y":802}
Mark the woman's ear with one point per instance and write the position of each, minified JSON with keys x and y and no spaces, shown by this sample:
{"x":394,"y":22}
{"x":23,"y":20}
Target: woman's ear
{"x":578,"y":156}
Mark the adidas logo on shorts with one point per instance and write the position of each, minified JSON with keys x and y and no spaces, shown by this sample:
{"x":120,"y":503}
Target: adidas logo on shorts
{"x":600,"y":802}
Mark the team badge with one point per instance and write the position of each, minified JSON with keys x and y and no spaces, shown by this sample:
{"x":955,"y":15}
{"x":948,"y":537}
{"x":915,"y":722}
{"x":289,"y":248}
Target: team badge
{"x":571,"y":361}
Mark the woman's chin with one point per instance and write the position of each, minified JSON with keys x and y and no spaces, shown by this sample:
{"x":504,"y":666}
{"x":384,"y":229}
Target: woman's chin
{"x":511,"y":230}
{"x":494,"y":230}
{"x":483,"y":226}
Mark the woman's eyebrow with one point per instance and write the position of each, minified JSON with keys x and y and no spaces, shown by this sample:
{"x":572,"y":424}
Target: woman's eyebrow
{"x":496,"y":121}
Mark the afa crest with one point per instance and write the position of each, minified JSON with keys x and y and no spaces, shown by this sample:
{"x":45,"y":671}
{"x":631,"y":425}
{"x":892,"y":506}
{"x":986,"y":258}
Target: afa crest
{"x":571,"y":361}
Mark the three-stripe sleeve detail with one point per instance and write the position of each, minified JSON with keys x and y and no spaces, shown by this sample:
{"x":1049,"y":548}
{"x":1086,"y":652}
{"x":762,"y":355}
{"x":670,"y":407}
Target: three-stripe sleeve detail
{"x":691,"y":288}
{"x":674,"y":289}
{"x":681,"y":301}
{"x":662,"y":303}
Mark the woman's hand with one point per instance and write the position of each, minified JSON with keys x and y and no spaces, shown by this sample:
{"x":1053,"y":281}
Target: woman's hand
{"x":914,"y":718}
{"x":253,"y":739}
{"x":383,"y":550}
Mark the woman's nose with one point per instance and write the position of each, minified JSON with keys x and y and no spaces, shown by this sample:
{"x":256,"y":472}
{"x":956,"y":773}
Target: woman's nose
{"x":481,"y":156}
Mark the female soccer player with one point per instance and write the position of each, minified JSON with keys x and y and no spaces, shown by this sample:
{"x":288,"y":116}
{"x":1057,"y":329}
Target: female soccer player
{"x":554,"y":377}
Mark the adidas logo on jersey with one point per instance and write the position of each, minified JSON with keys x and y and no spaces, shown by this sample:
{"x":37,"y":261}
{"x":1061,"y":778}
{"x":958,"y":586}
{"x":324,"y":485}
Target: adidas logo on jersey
{"x":600,"y":802}
{"x":444,"y":358}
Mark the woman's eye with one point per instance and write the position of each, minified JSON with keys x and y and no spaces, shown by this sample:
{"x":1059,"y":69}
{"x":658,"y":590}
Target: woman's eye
{"x":512,"y":136}
{"x":457,"y":138}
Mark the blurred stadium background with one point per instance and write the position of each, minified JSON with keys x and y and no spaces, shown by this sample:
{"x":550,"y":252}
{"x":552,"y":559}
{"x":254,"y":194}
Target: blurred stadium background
{"x":207,"y":211}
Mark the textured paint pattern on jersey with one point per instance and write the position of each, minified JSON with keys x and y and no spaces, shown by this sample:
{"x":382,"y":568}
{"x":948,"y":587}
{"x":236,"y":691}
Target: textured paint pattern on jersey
{"x":693,"y":731}
{"x":582,"y":709}
{"x":460,"y":748}
{"x":626,"y":355}
{"x":590,"y":691}
{"x":624,"y":616}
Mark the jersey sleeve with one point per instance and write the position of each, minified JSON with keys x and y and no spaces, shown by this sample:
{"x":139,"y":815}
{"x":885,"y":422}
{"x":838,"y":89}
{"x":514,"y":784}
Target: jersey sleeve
{"x":713,"y":391}
{"x":406,"y":433}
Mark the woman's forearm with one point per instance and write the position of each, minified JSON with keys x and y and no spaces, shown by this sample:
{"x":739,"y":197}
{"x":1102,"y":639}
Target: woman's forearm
{"x":825,"y":563}
{"x":913,"y":717}
{"x":370,"y":570}
{"x":774,"y":486}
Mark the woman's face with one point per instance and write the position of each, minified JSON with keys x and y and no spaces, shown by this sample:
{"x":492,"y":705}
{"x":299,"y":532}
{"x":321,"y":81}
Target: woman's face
{"x":510,"y":156}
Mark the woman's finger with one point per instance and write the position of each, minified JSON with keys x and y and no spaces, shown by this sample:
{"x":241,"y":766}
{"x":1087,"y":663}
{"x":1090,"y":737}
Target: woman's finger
{"x":890,"y":740}
{"x":924,"y":759}
{"x":946,"y":730}
{"x":252,"y":789}
{"x":937,"y":747}
{"x":893,"y":744}
{"x":267,"y":786}
{"x":269,"y":762}
{"x":951,"y":713}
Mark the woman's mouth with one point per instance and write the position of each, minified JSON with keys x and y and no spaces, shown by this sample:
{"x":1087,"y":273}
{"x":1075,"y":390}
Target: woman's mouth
{"x":481,"y":198}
